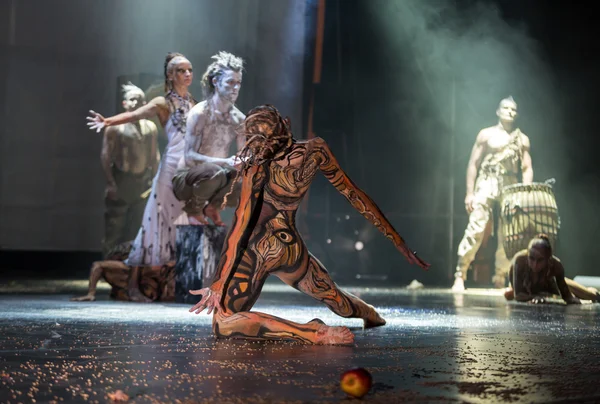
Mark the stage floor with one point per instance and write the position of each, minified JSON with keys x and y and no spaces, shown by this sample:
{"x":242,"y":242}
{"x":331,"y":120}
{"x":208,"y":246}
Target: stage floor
{"x":436,"y":347}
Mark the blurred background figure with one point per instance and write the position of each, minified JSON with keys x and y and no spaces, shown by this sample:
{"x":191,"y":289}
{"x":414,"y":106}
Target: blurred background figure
{"x":129,"y":160}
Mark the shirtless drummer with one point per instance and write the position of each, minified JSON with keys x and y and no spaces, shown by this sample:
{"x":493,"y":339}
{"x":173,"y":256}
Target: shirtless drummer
{"x":500,"y":157}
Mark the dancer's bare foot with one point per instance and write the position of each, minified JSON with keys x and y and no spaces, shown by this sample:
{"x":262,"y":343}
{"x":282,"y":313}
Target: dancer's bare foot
{"x":327,"y":335}
{"x":86,"y":298}
{"x":213,"y":213}
{"x":135,"y":295}
{"x":197,"y":219}
{"x":499,"y":281}
{"x":374,"y":319}
{"x":459,"y":285}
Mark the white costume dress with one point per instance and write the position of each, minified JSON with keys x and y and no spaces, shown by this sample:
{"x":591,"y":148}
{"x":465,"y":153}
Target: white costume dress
{"x":155,"y":241}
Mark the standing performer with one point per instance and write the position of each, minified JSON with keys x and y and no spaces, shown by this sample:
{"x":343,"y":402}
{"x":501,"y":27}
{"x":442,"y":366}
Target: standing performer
{"x":276,"y":173}
{"x":535,"y":273}
{"x":500,"y":157}
{"x":155,"y":241}
{"x":129,"y":159}
{"x":206,"y":172}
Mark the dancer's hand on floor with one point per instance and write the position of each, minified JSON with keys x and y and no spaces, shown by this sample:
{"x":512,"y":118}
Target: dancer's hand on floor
{"x":211,"y":300}
{"x":538,"y":300}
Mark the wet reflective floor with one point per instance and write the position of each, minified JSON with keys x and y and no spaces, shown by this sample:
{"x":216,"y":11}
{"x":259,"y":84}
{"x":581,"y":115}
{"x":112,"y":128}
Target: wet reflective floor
{"x":436,"y":347}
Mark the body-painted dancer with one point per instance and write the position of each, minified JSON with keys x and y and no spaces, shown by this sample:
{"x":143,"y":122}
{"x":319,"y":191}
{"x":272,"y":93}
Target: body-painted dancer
{"x":155,"y":241}
{"x":263,"y":240}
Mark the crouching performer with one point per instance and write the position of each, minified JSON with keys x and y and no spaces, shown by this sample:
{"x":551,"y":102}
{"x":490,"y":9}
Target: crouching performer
{"x":263,"y":240}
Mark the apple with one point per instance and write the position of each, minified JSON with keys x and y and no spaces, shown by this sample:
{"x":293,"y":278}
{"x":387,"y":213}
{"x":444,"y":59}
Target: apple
{"x":356,"y":382}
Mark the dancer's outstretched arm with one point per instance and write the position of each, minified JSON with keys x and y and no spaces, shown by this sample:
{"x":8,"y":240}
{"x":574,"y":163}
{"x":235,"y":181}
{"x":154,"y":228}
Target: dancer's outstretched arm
{"x":361,"y":201}
{"x":98,"y":122}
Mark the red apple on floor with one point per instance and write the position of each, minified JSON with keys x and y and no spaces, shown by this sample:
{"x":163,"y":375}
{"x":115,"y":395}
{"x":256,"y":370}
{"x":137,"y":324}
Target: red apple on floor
{"x":356,"y":382}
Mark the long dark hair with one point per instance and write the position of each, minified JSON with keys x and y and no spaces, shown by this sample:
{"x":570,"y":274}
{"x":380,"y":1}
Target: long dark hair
{"x":542,"y":242}
{"x":167,"y":69}
{"x":170,"y":56}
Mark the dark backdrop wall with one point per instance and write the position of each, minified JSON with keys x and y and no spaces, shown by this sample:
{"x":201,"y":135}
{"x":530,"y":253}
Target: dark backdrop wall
{"x":406,"y":87}
{"x":61,"y":58}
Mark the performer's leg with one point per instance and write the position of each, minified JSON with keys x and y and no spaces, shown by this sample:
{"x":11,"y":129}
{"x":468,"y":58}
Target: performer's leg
{"x":502,"y":262}
{"x":196,"y":186}
{"x":115,"y":217}
{"x":243,"y":290}
{"x":111,"y":271}
{"x":261,"y":326}
{"x":135,"y":215}
{"x":317,"y":283}
{"x":471,"y":241}
{"x":220,"y":185}
{"x":509,"y":292}
{"x":232,"y":199}
{"x":582,"y":292}
{"x":133,"y":286}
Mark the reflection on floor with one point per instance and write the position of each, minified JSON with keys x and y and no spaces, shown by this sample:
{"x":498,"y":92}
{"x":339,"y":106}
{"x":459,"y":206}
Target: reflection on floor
{"x":436,"y":347}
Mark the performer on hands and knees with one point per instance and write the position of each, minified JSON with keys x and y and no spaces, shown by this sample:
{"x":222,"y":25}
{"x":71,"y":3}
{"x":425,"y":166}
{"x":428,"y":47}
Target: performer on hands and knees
{"x":536,"y":274}
{"x":276,"y":173}
{"x":156,"y":283}
{"x":500,"y":157}
{"x":155,"y":241}
{"x":130,"y":159}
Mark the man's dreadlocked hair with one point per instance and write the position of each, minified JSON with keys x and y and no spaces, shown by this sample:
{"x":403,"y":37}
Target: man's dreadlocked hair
{"x":268,"y":137}
{"x":222,"y":61}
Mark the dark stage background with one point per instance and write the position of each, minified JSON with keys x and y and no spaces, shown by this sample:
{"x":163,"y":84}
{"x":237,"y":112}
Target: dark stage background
{"x":405,"y":87}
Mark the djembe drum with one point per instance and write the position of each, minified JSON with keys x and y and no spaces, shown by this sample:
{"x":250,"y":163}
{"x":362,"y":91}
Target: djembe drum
{"x":525,"y":211}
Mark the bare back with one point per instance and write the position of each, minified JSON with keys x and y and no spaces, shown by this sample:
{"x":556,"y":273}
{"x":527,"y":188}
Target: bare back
{"x":290,"y":177}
